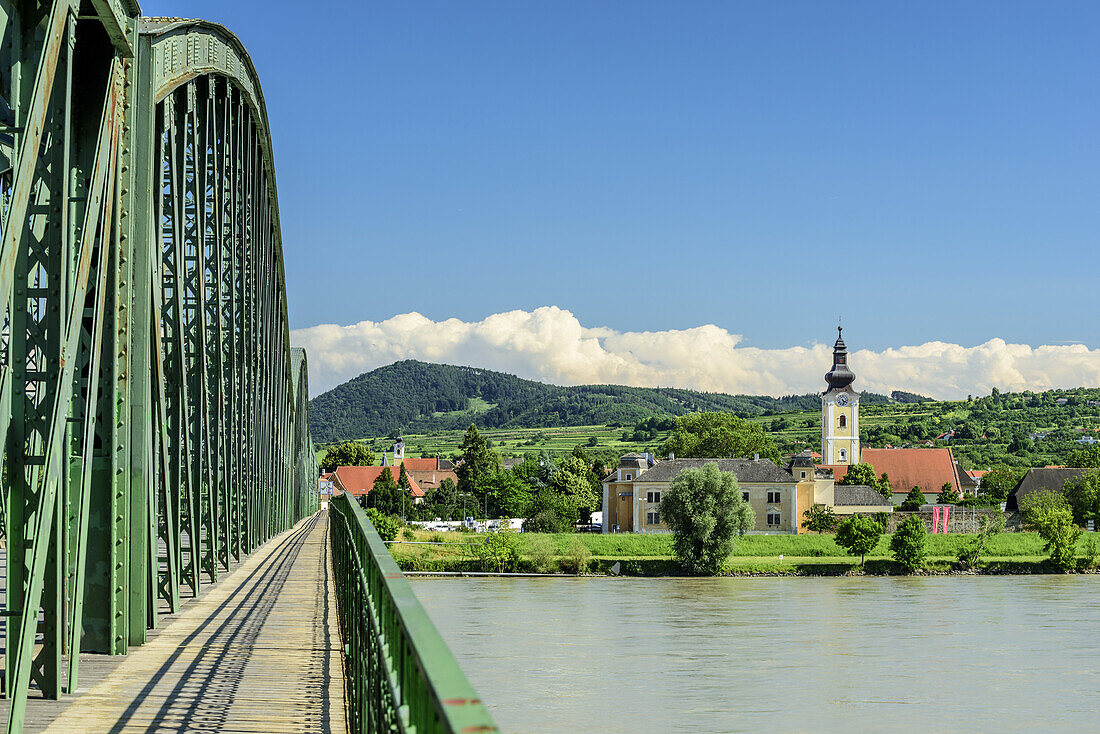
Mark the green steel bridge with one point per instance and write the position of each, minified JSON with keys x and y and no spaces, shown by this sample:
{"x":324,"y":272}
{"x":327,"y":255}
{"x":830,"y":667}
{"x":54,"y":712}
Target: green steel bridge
{"x":153,"y":414}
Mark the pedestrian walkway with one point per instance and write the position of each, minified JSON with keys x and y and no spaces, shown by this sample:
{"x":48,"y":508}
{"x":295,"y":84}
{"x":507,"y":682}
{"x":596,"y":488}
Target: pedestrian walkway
{"x":260,"y":652}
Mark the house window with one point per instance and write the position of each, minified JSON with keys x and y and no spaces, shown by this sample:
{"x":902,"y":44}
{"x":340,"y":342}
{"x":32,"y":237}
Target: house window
{"x":773,"y":519}
{"x":843,"y":456}
{"x":744,"y":496}
{"x":803,"y":475}
{"x":653,"y":518}
{"x":654,"y":497}
{"x":843,"y":421}
{"x":774,"y":496}
{"x":628,"y":477}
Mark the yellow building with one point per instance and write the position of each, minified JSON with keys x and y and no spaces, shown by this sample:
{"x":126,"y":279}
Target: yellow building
{"x":632,"y":493}
{"x":840,"y":411}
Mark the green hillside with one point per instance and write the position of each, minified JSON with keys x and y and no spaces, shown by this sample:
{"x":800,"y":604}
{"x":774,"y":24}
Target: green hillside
{"x":418,"y":397}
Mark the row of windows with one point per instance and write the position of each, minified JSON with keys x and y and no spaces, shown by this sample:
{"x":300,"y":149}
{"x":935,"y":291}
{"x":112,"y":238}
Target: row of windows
{"x":774,"y":496}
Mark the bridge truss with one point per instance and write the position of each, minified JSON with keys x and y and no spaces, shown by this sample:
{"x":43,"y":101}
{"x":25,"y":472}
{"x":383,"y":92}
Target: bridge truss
{"x":152,"y":412}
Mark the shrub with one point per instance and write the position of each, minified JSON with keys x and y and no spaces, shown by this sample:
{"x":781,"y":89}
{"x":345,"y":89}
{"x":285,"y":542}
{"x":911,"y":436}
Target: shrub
{"x":913,"y":500}
{"x":540,"y":549}
{"x":386,"y":525}
{"x":948,"y":495}
{"x":970,"y":553}
{"x":858,"y":535}
{"x":1089,"y":561}
{"x":1050,"y":515}
{"x":499,"y":552}
{"x":408,"y":533}
{"x":908,"y":544}
{"x":576,"y":557}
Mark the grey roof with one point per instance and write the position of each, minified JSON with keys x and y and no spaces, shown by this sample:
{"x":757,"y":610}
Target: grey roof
{"x":858,"y":494}
{"x":1039,"y":479}
{"x":746,"y":470}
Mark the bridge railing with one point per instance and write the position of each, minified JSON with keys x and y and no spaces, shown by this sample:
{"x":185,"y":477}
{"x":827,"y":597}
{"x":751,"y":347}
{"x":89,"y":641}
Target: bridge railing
{"x":401,"y":676}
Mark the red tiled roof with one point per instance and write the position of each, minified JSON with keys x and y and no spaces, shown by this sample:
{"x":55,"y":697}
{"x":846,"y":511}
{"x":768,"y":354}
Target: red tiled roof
{"x":419,"y":464}
{"x":928,"y":469}
{"x":359,"y":480}
{"x":977,"y":473}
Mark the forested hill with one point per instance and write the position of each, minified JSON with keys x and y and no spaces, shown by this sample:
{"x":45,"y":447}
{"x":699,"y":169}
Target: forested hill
{"x":418,"y":397}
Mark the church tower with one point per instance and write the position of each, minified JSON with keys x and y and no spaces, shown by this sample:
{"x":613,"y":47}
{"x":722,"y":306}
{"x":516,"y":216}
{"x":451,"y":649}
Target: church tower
{"x":840,"y":411}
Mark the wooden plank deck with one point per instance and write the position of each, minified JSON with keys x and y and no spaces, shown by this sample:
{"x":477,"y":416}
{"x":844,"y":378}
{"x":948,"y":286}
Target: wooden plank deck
{"x":259,"y":652}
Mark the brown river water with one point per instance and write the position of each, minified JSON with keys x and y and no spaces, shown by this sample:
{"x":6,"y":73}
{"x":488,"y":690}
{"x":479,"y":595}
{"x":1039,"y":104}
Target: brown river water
{"x":970,"y":653}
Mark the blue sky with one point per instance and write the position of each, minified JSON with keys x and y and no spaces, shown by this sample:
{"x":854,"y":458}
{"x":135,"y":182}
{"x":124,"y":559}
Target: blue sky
{"x":929,"y":170}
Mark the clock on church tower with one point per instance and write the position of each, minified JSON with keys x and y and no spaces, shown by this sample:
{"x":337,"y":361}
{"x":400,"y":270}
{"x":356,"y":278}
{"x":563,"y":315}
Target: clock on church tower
{"x":840,"y":410}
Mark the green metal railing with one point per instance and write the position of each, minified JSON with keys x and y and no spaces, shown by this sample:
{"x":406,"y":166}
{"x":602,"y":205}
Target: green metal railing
{"x":401,"y":676}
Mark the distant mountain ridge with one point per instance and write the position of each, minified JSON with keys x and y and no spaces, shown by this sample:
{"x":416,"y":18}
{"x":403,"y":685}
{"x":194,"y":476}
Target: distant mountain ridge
{"x":418,"y":397}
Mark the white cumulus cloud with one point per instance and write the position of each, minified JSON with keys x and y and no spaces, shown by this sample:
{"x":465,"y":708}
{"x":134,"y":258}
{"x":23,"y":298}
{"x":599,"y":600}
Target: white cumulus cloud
{"x":550,"y":344}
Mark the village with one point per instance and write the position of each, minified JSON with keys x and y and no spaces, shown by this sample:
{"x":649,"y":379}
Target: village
{"x":806,"y":492}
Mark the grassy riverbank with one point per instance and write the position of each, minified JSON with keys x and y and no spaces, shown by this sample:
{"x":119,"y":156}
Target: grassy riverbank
{"x":651,"y":555}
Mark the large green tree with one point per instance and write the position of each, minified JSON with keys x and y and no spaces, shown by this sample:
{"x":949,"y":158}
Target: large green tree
{"x":476,"y":460}
{"x":577,"y":484}
{"x":1048,"y":512}
{"x":999,"y":481}
{"x":1085,"y":458}
{"x":909,"y":544}
{"x":351,"y":453}
{"x":719,"y":436}
{"x":704,"y":510}
{"x":508,"y":495}
{"x":384,"y":495}
{"x":1083,"y":495}
{"x":860,"y":474}
{"x":858,"y":535}
{"x":442,"y":502}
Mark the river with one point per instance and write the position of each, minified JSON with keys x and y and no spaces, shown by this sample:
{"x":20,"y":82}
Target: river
{"x":970,"y":653}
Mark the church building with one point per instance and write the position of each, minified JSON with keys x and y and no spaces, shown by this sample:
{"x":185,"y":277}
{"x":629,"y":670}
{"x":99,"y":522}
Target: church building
{"x":840,"y":411}
{"x":927,"y":469}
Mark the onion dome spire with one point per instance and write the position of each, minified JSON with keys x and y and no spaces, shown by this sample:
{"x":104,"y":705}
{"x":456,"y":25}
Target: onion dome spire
{"x":840,"y":377}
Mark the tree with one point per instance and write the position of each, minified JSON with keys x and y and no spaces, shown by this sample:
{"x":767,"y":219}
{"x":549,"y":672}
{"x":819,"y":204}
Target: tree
{"x":1084,"y":458}
{"x":908,"y":544}
{"x":577,"y":484}
{"x":1083,"y":495}
{"x":384,"y":495}
{"x":403,"y":480}
{"x":864,"y":474}
{"x":499,"y":552}
{"x":884,"y":487}
{"x":1049,"y":513}
{"x":442,"y":502}
{"x":476,"y":461}
{"x":508,"y":495}
{"x":820,"y":519}
{"x":858,"y":535}
{"x":1000,"y":481}
{"x":351,"y":453}
{"x":550,"y":513}
{"x":948,"y":495}
{"x":719,"y":436}
{"x":704,"y":510}
{"x":913,"y":500}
